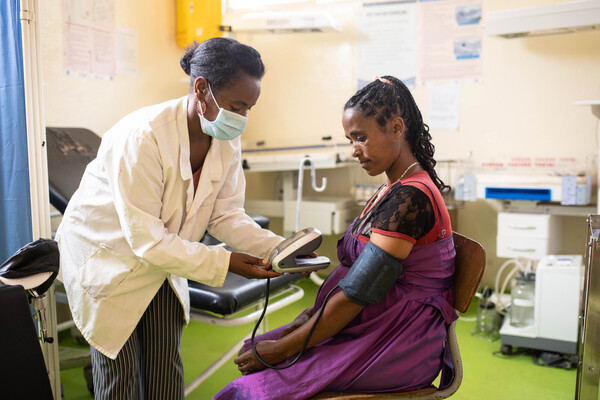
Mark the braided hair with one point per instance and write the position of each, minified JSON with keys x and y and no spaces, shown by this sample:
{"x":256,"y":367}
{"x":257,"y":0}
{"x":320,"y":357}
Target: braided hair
{"x":219,"y":60}
{"x":382,"y":100}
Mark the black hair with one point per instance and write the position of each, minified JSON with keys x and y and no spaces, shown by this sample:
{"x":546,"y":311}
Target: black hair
{"x":383,"y":101}
{"x":219,"y":60}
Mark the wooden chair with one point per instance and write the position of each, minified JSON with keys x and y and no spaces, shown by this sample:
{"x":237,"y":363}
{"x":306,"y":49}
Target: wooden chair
{"x":469,"y":267}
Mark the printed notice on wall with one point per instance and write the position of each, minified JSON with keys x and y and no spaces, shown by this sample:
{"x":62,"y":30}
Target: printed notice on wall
{"x":386,"y":42}
{"x":89,"y":38}
{"x":103,"y":50}
{"x":450,"y":36}
{"x":125,"y":51}
{"x":77,"y":54}
{"x":443,"y":108}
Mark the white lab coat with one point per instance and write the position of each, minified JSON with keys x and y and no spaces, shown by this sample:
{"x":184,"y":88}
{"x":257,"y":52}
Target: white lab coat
{"x":135,"y":221}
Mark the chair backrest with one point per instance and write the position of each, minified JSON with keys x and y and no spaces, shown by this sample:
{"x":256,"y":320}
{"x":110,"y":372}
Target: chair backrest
{"x":468,"y":270}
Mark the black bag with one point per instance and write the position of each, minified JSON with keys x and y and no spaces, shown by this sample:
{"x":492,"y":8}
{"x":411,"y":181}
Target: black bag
{"x":34,"y":258}
{"x":550,"y":359}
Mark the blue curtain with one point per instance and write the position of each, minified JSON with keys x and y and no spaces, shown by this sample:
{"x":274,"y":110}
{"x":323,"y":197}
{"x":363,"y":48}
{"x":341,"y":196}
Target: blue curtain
{"x":15,"y":202}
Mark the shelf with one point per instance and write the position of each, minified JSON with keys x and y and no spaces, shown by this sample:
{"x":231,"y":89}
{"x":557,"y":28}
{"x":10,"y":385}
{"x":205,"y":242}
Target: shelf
{"x":550,"y":208}
{"x":594,"y":103}
{"x":289,"y":159}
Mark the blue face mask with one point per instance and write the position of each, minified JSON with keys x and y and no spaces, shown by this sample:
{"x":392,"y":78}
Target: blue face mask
{"x":227,"y":126}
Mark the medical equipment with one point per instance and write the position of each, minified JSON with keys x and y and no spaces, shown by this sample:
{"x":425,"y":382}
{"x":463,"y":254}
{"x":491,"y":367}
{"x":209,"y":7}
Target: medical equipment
{"x":487,"y":322}
{"x":287,"y":256}
{"x":371,"y":277}
{"x":567,"y":189}
{"x":368,"y":281}
{"x":304,"y":345}
{"x":555,"y":310}
{"x":522,"y":301}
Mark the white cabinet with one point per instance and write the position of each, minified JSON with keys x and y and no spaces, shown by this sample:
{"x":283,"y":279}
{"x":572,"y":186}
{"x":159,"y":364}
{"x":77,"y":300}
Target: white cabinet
{"x":330,"y":215}
{"x":527,"y":235}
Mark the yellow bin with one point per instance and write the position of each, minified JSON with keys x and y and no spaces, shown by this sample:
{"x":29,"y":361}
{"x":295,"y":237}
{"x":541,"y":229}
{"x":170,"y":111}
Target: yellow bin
{"x":198,"y":20}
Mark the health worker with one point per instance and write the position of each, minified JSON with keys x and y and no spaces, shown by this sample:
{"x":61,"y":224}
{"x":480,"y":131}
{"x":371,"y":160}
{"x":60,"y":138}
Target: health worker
{"x":129,"y":239}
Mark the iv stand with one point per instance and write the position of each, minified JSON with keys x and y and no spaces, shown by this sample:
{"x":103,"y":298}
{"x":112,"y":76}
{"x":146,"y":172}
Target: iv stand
{"x":307,"y":161}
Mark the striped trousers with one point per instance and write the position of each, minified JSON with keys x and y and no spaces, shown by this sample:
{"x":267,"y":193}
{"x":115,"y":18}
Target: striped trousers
{"x":149,"y":364}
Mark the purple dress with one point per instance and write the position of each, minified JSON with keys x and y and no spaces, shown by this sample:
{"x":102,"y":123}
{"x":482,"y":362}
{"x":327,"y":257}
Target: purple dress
{"x":396,"y":345}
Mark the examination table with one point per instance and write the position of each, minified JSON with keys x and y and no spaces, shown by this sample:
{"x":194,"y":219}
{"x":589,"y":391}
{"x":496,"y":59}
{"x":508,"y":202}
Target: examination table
{"x":238,"y":302}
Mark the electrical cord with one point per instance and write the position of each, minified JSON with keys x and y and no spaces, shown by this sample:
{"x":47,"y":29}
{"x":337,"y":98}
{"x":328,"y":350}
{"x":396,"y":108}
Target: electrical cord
{"x":310,"y":332}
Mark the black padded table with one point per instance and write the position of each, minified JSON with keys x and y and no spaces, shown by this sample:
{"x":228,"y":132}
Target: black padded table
{"x":237,"y":292}
{"x":69,"y":151}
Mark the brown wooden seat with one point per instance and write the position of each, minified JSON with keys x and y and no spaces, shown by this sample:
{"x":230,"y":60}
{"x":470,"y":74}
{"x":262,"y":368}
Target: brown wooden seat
{"x":469,"y":267}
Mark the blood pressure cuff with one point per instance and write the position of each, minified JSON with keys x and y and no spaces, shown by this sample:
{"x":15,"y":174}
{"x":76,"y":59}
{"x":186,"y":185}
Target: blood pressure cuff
{"x":372,"y":276}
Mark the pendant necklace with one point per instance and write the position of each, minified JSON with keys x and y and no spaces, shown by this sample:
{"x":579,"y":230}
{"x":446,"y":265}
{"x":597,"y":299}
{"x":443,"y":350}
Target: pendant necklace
{"x":402,"y":176}
{"x":407,"y":169}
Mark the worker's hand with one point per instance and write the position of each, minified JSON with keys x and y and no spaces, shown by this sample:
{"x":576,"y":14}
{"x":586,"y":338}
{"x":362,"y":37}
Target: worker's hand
{"x":251,"y":267}
{"x":298,"y":322}
{"x":311,"y":255}
{"x":267,"y":350}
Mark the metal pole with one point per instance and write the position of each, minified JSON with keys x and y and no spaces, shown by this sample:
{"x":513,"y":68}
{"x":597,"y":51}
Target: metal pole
{"x":38,"y":170}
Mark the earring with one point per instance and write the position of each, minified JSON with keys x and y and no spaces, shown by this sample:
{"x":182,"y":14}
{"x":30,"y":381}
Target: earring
{"x":202,"y":105}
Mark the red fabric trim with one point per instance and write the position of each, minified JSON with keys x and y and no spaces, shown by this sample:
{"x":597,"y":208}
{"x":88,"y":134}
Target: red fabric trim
{"x":374,"y":200}
{"x":435,"y":232}
{"x":394,"y":234}
{"x":363,"y":238}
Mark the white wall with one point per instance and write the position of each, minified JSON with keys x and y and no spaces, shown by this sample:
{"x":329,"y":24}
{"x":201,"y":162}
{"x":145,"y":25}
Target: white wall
{"x":523,"y":105}
{"x":97,"y":104}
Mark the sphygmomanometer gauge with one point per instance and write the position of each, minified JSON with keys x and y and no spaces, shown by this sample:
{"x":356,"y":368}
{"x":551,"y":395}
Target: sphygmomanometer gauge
{"x":288,"y":255}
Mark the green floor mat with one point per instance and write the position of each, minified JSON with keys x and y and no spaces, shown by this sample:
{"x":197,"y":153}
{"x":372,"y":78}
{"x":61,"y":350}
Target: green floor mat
{"x":489,"y":376}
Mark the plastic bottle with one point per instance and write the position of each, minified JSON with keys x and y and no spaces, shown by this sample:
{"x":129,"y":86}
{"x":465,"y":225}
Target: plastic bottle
{"x":523,"y":301}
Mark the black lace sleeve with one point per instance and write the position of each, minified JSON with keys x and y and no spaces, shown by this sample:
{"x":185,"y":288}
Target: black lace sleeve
{"x":406,"y":210}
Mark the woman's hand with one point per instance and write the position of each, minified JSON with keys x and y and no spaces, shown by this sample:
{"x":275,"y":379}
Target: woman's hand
{"x":298,"y":322}
{"x":267,"y":350}
{"x":251,"y":267}
{"x":337,"y":314}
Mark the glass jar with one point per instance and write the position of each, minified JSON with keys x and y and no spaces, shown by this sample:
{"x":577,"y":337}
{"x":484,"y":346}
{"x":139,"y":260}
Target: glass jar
{"x":523,"y":301}
{"x":488,"y":320}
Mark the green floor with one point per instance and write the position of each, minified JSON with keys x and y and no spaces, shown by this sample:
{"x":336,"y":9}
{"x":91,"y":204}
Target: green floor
{"x":485,"y":374}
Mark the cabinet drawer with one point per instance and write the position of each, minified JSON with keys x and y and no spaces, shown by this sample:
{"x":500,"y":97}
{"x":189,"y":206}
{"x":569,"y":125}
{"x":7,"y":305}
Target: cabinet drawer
{"x":527,"y":225}
{"x":533,"y":248}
